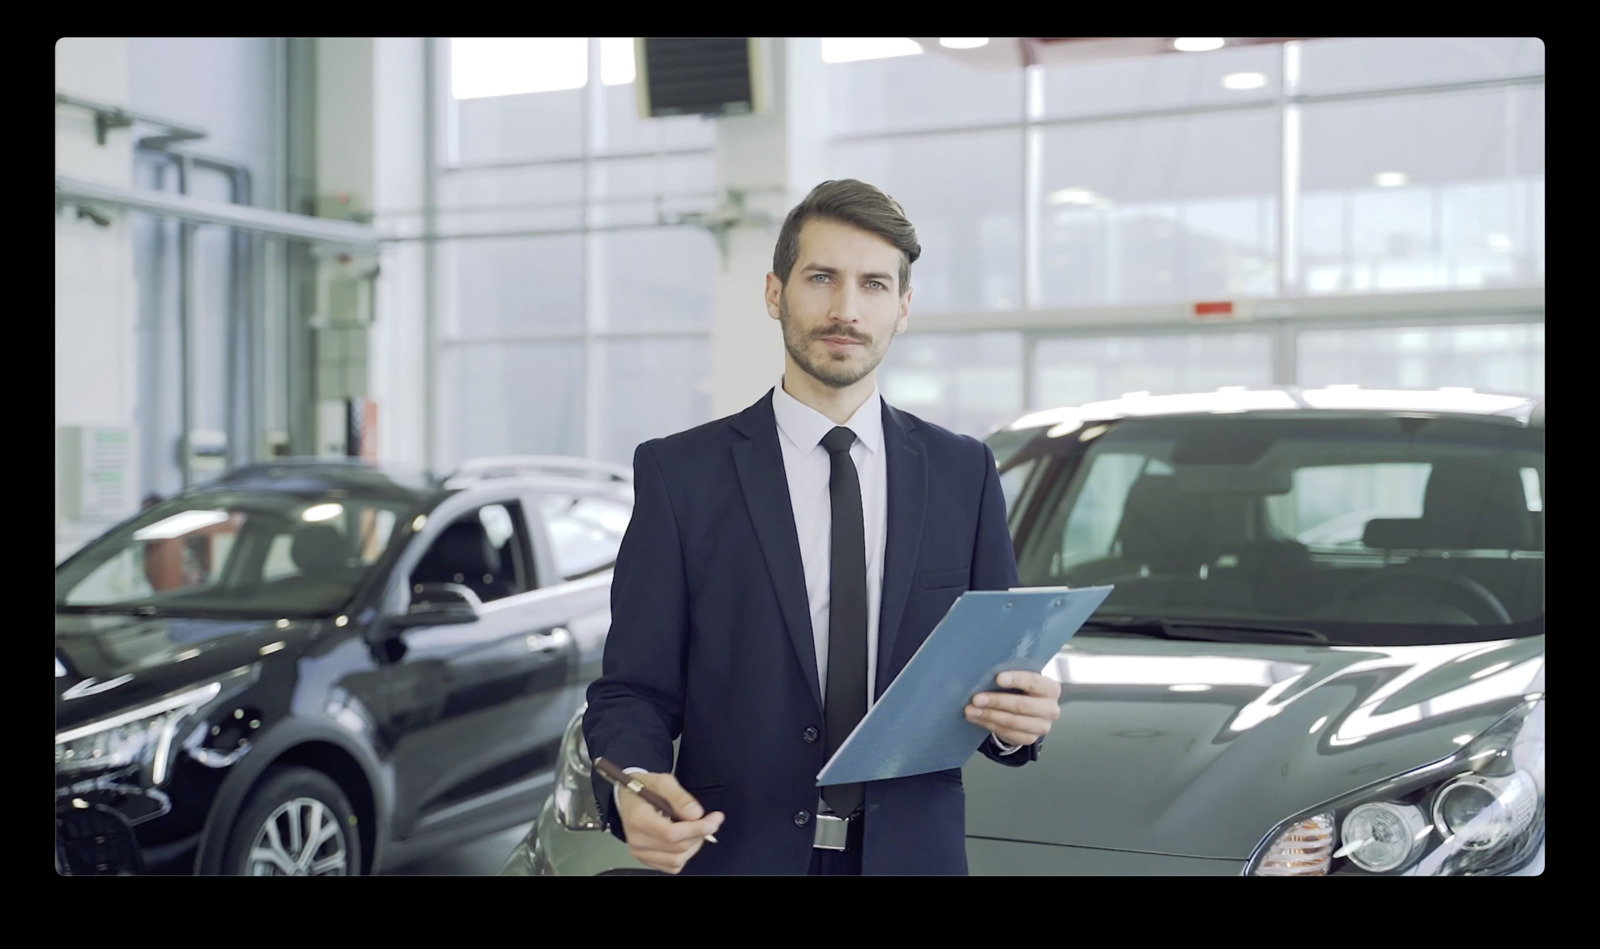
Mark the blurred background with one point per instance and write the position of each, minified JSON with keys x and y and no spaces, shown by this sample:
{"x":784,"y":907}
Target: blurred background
{"x":428,"y":250}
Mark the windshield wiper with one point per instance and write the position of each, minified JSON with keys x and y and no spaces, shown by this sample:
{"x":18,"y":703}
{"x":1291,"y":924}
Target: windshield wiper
{"x":1216,"y":630}
{"x":108,"y":610}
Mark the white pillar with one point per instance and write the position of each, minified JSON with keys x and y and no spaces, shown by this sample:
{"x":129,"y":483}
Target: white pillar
{"x":777,"y":156}
{"x":96,"y":300}
{"x":399,"y":339}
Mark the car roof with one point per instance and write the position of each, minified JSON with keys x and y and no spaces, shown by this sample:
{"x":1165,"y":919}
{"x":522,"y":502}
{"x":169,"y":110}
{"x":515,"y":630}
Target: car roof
{"x":1261,"y":400}
{"x":318,"y":476}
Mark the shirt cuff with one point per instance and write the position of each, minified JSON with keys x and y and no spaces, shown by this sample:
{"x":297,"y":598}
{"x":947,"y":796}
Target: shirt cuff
{"x":1005,"y":749}
{"x":616,"y":791}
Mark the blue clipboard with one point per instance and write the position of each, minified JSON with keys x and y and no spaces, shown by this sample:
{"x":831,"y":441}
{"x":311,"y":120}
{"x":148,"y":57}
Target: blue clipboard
{"x":917,"y":725}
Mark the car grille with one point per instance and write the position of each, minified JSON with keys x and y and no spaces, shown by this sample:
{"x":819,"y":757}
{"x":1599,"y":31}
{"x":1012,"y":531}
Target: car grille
{"x":95,"y":841}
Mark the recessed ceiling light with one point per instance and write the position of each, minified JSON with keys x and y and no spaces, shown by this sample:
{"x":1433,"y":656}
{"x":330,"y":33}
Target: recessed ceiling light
{"x":1244,"y":80}
{"x":1198,"y":44}
{"x":957,"y":42}
{"x":1390,"y":179}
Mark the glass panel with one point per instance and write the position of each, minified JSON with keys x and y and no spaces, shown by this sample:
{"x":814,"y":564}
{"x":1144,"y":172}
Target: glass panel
{"x":1349,"y":64}
{"x":509,"y":399}
{"x":1073,"y":370}
{"x":245,"y":552}
{"x":585,"y":532}
{"x":540,"y":197}
{"x":966,"y":382}
{"x":1329,"y":506}
{"x":647,"y":191}
{"x":1491,"y":358}
{"x":536,"y":126}
{"x":654,"y":279}
{"x":509,"y":287}
{"x":914,"y":93}
{"x":1158,"y":210}
{"x":1423,"y":192}
{"x":651,"y":388}
{"x":481,"y":550}
{"x":970,"y":226}
{"x":1239,"y":74}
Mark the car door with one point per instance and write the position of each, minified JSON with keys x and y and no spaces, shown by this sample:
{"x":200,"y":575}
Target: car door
{"x":577,"y":533}
{"x":476,"y":710}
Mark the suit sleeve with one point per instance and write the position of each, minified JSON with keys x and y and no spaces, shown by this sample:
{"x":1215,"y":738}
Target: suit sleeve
{"x":994,"y":567}
{"x":635,"y":709}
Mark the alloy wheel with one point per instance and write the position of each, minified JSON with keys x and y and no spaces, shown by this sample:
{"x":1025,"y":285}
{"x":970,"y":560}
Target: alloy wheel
{"x":301,"y":838}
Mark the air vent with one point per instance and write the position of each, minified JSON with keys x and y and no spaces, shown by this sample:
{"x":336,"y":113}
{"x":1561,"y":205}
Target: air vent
{"x":699,"y":76}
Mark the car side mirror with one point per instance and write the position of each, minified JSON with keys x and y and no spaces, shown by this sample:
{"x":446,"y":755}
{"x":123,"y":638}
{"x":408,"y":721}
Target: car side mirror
{"x":440,"y":604}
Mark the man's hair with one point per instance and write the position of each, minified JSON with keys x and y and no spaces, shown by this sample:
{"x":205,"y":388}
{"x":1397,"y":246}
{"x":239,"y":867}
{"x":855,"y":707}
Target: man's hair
{"x":857,"y":204}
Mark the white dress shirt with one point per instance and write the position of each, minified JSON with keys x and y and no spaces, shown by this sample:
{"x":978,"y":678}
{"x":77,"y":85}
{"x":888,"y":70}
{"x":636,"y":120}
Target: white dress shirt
{"x":809,"y":468}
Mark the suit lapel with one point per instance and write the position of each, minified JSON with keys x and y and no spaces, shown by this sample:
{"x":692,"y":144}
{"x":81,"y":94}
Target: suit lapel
{"x":759,"y":461}
{"x":907,"y":470}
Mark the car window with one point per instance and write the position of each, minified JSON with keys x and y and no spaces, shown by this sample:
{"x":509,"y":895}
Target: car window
{"x":484,"y":550}
{"x":249,"y":553}
{"x":585,"y":531}
{"x":1390,"y":527}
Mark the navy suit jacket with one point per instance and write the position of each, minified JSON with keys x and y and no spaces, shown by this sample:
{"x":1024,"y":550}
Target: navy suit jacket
{"x":711,"y":641}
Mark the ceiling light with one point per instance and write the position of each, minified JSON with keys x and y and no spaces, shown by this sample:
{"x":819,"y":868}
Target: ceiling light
{"x":850,"y":50}
{"x":1500,"y":241}
{"x":1073,"y":196}
{"x":955,"y":42}
{"x":1390,"y":179}
{"x":1198,"y":44}
{"x":1244,"y":80}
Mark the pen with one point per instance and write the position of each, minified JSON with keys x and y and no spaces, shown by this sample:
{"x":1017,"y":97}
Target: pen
{"x":631,"y":782}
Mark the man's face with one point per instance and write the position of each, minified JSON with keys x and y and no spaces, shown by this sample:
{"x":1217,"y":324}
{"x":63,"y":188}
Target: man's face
{"x":842,"y":303}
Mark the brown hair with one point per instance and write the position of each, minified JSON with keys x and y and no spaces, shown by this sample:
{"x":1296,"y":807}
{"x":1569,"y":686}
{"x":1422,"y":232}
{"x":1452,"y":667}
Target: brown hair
{"x":857,"y":204}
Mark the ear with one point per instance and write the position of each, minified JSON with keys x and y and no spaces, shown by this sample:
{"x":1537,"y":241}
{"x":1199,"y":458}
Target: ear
{"x":905,"y":313}
{"x":773,"y":292}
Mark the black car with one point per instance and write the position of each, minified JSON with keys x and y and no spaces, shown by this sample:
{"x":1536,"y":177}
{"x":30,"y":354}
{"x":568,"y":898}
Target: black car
{"x":317,"y":667}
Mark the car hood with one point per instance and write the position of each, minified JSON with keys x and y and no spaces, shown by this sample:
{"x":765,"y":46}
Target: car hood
{"x":1200,"y":749}
{"x":108,"y":663}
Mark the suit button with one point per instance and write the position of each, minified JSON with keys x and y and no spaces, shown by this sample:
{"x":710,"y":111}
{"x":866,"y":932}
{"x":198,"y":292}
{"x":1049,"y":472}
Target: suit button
{"x":810,"y":734}
{"x":802,"y":818}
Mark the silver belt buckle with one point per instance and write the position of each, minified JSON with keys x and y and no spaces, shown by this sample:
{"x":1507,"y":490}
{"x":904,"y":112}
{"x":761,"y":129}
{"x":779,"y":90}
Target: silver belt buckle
{"x":833,"y":833}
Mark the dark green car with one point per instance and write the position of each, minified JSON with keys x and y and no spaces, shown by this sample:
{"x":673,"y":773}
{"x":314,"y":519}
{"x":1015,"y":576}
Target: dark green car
{"x":1324,"y":652}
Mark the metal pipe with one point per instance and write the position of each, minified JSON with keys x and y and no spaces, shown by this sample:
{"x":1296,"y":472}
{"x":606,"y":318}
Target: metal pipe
{"x":185,"y":381}
{"x":197,"y":211}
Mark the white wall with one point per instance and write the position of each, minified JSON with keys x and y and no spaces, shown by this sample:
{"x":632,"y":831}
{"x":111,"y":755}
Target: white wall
{"x":96,"y":294}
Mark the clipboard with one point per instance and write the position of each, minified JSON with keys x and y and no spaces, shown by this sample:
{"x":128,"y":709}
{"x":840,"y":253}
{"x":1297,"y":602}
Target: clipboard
{"x":917,"y":726}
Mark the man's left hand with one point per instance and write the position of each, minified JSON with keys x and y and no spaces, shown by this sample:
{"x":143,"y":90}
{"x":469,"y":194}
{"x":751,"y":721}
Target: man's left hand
{"x":1018,"y":719}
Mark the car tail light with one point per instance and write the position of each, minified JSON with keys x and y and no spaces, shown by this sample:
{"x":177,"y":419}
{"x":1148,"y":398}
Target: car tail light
{"x":1304,"y":849}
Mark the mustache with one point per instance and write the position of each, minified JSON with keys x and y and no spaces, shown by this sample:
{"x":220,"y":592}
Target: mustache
{"x":856,"y":335}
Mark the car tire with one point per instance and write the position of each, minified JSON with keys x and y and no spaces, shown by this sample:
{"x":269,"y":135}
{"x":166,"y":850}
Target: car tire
{"x":283,"y":829}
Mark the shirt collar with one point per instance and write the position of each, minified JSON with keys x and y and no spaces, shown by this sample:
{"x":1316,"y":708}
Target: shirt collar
{"x":804,"y":426}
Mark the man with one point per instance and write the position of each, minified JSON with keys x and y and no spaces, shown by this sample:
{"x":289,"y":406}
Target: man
{"x":781,"y":567}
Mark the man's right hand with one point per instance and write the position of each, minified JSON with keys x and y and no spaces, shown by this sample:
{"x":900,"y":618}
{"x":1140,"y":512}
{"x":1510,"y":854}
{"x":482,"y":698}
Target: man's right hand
{"x":656,"y":840}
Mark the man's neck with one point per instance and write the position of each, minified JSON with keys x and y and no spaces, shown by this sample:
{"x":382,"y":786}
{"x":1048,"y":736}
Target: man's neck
{"x":838,"y":405}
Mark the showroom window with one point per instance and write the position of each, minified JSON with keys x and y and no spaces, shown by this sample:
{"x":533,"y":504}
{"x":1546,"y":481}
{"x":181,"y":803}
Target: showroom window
{"x":575,"y":317}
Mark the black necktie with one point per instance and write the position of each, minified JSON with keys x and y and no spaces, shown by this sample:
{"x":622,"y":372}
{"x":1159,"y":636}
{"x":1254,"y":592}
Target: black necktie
{"x":846,"y":701}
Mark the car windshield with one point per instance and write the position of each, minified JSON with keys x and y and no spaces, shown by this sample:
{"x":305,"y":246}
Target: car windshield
{"x":1371,"y":531}
{"x":243,"y":554}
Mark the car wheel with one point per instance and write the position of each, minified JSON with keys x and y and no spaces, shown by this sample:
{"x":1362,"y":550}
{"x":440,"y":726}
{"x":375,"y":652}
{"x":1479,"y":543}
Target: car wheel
{"x":297,"y":822}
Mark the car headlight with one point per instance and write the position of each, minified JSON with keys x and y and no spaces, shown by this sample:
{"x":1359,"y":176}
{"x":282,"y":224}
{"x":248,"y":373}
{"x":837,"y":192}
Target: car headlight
{"x":575,"y":805}
{"x":141,"y":736}
{"x":1479,"y":812}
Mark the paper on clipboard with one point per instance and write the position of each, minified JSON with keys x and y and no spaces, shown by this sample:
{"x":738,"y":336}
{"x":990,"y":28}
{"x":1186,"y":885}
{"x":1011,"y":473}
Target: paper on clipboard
{"x":917,"y":726}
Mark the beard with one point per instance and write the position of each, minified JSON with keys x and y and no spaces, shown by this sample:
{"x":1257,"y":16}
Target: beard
{"x":836,"y":370}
